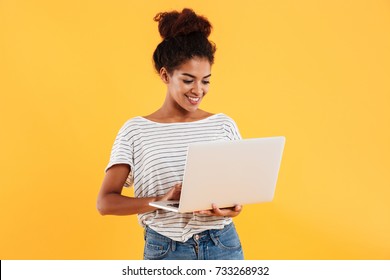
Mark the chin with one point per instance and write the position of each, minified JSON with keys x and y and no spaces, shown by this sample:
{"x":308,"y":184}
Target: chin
{"x":192,"y":110}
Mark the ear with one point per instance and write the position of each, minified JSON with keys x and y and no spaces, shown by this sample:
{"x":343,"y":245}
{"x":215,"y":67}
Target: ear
{"x":164,"y":75}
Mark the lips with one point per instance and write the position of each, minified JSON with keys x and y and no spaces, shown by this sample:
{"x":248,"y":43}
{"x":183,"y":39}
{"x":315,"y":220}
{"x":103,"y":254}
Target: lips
{"x":193,"y":100}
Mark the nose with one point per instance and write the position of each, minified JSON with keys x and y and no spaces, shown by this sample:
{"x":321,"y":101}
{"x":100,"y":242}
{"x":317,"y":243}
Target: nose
{"x":197,"y":89}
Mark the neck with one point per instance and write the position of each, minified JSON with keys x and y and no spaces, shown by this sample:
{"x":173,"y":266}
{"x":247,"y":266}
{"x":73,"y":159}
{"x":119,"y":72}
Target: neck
{"x":171,"y":110}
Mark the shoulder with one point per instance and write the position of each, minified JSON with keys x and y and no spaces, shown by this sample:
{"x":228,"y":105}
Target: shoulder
{"x":132,"y":120}
{"x":135,"y":121}
{"x":130,"y":126}
{"x":230,"y":127}
{"x":225,"y":118}
{"x":227,"y":122}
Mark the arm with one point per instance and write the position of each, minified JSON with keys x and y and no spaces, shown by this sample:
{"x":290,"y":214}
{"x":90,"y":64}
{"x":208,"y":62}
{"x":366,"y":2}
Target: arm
{"x":111,"y":201}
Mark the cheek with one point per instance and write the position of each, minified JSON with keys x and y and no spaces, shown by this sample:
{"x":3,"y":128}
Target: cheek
{"x":206,"y":89}
{"x":179,"y":87}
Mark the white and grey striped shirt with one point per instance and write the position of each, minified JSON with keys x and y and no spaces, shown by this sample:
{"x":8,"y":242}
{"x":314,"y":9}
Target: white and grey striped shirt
{"x":156,"y":153}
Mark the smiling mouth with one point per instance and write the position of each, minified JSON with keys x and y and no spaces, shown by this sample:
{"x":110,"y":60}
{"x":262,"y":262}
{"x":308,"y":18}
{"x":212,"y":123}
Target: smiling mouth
{"x":193,"y":100}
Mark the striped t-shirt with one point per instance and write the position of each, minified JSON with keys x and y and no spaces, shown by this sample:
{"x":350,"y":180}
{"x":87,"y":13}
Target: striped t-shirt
{"x":156,"y":153}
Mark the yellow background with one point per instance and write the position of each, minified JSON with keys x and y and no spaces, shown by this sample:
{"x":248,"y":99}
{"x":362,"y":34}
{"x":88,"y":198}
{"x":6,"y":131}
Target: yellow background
{"x":72,"y":72}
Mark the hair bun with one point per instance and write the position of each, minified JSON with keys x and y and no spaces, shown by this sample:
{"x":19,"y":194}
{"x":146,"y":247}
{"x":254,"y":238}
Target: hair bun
{"x":173,"y":24}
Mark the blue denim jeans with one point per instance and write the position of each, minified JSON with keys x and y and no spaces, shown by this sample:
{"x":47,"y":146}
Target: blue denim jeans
{"x":216,"y":244}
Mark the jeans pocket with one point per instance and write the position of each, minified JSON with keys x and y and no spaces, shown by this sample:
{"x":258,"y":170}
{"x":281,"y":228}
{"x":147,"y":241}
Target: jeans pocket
{"x":229,"y":239}
{"x":156,"y":248}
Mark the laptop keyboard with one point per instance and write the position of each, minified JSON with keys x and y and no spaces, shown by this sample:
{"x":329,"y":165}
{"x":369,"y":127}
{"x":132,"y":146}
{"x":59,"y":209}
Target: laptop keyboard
{"x":174,"y":205}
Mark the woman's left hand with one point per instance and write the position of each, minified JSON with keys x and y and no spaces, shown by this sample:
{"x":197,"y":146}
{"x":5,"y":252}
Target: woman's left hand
{"x":223,"y":212}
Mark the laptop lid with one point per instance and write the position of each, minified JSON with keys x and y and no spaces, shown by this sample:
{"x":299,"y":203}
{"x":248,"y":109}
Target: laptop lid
{"x":230,"y":172}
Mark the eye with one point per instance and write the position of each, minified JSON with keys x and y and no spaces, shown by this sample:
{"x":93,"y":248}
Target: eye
{"x":206,"y":82}
{"x":187,"y":81}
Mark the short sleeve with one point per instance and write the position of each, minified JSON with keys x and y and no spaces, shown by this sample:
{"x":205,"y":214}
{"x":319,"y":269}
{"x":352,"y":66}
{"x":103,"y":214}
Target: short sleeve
{"x":231,"y":130}
{"x":122,"y":150}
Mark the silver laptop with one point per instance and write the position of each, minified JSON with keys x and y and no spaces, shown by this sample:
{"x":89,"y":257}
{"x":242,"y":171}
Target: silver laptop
{"x":228,"y":173}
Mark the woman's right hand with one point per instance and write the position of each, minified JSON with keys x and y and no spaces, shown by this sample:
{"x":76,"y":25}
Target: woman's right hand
{"x":173,"y":193}
{"x":111,"y":201}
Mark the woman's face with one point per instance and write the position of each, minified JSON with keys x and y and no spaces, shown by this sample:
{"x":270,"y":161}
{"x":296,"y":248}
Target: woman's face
{"x":188,"y":84}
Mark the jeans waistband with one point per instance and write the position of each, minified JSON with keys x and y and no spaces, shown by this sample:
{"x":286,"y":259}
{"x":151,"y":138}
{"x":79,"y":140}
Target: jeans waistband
{"x":196,"y":238}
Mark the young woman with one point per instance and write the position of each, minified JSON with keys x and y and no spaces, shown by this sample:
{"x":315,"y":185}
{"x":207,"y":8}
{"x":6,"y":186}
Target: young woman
{"x":149,"y":152}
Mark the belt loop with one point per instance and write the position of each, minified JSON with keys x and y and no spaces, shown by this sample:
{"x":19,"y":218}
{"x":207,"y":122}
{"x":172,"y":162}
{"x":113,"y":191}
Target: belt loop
{"x":173,"y":245}
{"x":214,"y":238}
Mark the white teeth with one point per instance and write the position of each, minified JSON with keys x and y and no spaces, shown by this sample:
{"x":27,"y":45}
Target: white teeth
{"x":194,"y":99}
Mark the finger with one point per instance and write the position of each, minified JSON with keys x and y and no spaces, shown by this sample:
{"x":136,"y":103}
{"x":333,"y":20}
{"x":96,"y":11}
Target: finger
{"x":205,"y":212}
{"x":229,"y":212}
{"x":217,"y":211}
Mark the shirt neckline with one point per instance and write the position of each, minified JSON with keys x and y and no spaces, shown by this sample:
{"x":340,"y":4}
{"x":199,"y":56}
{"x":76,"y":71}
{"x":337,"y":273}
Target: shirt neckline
{"x":168,"y":123}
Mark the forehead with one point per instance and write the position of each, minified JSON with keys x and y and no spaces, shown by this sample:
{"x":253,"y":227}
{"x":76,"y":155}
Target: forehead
{"x":198,"y":67}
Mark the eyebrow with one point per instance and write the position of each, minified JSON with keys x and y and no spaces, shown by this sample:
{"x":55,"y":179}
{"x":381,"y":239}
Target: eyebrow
{"x":192,"y":76}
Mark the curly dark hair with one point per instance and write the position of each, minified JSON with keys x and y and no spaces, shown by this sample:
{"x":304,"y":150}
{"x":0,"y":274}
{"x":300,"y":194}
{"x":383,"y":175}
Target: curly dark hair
{"x":185,"y":36}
